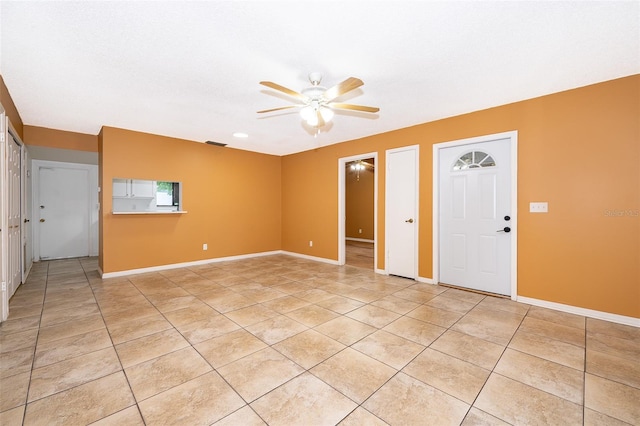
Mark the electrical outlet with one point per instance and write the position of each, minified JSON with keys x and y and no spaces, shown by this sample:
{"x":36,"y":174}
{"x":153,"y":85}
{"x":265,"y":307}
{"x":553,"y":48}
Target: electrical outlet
{"x":540,"y":207}
{"x":359,"y":231}
{"x":205,"y":247}
{"x":310,"y":243}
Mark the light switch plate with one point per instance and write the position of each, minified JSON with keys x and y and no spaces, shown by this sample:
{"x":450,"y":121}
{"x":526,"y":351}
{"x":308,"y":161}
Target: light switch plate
{"x":539,"y":207}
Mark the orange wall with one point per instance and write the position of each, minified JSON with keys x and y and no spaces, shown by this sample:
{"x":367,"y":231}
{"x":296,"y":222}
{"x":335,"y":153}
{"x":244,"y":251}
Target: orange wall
{"x":579,"y":150}
{"x":232,"y":198}
{"x":10,"y":108}
{"x":359,"y":207}
{"x":52,"y":138}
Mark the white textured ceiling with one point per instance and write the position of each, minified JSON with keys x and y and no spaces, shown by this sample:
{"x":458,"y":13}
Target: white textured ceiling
{"x":191,"y":69}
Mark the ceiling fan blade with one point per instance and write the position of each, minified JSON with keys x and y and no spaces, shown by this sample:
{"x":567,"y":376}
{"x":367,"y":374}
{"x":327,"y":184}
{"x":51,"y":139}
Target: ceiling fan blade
{"x":284,"y":90}
{"x":354,"y":107}
{"x":277,"y":109}
{"x":341,"y":88}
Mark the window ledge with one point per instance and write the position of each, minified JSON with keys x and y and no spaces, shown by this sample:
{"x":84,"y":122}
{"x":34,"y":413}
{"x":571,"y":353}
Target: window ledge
{"x":133,"y":197}
{"x":153,"y":212}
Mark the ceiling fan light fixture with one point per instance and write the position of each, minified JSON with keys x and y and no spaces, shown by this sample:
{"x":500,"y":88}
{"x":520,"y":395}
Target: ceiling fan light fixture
{"x":358,"y":166}
{"x":307,"y":112}
{"x":313,"y":121}
{"x":310,"y":115}
{"x":326,"y":113}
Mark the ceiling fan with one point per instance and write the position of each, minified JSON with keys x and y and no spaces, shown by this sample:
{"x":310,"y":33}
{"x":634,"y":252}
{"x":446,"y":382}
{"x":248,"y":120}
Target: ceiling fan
{"x":360,"y":166}
{"x":317,"y":102}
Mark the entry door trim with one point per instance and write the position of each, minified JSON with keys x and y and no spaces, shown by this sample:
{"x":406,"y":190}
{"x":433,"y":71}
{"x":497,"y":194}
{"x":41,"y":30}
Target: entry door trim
{"x":513,"y":138}
{"x":416,"y":214}
{"x":342,"y":207}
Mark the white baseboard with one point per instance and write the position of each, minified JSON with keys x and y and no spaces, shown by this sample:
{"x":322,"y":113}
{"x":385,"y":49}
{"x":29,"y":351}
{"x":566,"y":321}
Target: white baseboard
{"x":185,"y":264}
{"x":362,"y":240}
{"x":306,"y":256}
{"x":606,"y":316}
{"x":380,"y":271}
{"x":213,"y":260}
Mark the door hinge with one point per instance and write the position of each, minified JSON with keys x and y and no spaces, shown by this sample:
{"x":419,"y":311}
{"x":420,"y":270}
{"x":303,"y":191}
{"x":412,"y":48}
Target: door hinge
{"x":4,"y":286}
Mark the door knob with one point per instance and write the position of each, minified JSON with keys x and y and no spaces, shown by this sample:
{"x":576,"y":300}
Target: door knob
{"x":41,"y":220}
{"x":409,"y":220}
{"x":505,"y":229}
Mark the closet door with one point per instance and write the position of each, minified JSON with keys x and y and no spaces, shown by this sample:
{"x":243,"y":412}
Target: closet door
{"x":14,"y":271}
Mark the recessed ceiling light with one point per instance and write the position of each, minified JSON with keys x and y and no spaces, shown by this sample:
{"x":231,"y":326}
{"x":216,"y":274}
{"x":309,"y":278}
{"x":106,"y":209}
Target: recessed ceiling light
{"x":240,"y":135}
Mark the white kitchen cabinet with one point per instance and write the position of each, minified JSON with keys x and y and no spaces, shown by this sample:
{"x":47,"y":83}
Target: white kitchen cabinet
{"x":133,"y":188}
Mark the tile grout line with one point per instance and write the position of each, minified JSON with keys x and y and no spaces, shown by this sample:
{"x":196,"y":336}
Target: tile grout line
{"x":119,"y":360}
{"x":35,"y":347}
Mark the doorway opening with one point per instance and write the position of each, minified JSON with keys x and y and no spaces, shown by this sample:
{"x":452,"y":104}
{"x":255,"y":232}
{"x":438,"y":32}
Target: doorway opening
{"x":357,"y":217}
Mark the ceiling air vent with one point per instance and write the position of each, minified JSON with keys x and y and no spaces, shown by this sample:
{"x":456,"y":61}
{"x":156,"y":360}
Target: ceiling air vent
{"x":216,"y":143}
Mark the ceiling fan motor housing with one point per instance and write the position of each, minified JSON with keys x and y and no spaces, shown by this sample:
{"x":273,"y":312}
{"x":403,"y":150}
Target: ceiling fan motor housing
{"x":314,"y":93}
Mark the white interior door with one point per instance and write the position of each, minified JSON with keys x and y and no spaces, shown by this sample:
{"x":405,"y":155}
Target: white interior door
{"x":401,"y":211}
{"x":4,"y":298}
{"x":475,"y":216}
{"x":14,"y":216}
{"x":63,"y":212}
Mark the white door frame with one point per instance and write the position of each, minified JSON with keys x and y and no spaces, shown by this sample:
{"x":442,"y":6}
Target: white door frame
{"x":513,"y":138}
{"x":342,"y":202}
{"x":416,"y":214}
{"x":4,"y":300}
{"x":25,"y":219}
{"x":92,"y":170}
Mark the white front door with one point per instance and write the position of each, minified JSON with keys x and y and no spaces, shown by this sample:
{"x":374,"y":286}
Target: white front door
{"x":13,"y":210}
{"x":401,"y":211}
{"x":475,"y":216}
{"x":63,"y":212}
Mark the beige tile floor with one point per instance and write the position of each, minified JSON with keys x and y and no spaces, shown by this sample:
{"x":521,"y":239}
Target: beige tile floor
{"x":283,"y":341}
{"x":359,"y":254}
